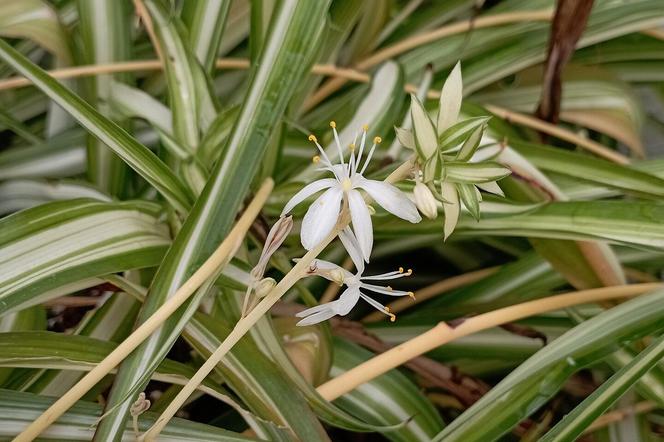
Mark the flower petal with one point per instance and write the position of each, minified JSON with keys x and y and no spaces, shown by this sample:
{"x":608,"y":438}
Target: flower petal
{"x":321,"y":218}
{"x":315,"y":318}
{"x":352,"y":246}
{"x":306,"y":192}
{"x":391,"y":199}
{"x":314,"y":309}
{"x":347,"y":300}
{"x":359,"y":214}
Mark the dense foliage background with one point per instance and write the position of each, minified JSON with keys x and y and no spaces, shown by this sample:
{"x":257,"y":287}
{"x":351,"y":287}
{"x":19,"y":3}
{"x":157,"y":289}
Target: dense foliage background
{"x":118,"y":181}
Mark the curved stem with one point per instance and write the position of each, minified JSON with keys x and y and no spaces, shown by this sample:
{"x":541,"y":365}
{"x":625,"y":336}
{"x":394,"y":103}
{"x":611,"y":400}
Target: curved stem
{"x":210,"y":267}
{"x":444,"y":333}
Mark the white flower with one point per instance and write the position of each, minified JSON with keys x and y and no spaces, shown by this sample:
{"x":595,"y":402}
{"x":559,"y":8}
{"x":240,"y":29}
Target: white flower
{"x":323,"y":213}
{"x":354,"y":283}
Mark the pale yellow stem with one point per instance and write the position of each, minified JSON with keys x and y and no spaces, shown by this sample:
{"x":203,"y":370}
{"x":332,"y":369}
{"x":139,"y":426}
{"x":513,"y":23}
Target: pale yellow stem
{"x":245,"y":323}
{"x":418,"y":40}
{"x":444,"y":333}
{"x":558,"y":132}
{"x":210,"y":267}
{"x":431,"y":291}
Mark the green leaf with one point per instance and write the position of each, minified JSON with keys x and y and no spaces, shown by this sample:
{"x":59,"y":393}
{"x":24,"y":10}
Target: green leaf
{"x":36,"y":20}
{"x":459,"y":132}
{"x":65,"y":242}
{"x":63,"y":155}
{"x":483,"y":172}
{"x":19,"y":409}
{"x":17,"y":195}
{"x":255,"y":379}
{"x":424,"y":132}
{"x":528,"y":387}
{"x":131,"y":151}
{"x":451,"y":207}
{"x":386,"y":400}
{"x":591,"y":169}
{"x":189,"y":98}
{"x":205,"y":20}
{"x":471,"y":198}
{"x":106,"y":32}
{"x":471,"y":144}
{"x":450,"y":100}
{"x":610,"y":391}
{"x":285,"y":59}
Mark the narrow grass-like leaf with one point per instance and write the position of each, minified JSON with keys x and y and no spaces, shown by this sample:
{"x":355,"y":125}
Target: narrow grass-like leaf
{"x":387,"y":400}
{"x":36,"y":20}
{"x":17,"y":195}
{"x":528,"y":387}
{"x":205,"y":20}
{"x":591,"y":169}
{"x":610,"y":391}
{"x":189,"y":98}
{"x":127,"y":147}
{"x":63,"y":242}
{"x":106,"y":34}
{"x":19,"y":409}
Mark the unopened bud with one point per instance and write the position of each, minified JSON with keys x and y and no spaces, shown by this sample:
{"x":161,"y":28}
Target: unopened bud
{"x":264,"y":286}
{"x":425,"y":201}
{"x":278,"y":234}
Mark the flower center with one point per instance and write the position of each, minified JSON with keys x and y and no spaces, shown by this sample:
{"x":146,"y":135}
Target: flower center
{"x":346,"y":185}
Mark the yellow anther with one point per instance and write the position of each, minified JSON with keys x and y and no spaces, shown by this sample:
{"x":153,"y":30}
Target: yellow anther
{"x":315,"y":159}
{"x":393,"y":317}
{"x":409,"y":272}
{"x":351,"y":146}
{"x":333,"y":124}
{"x":365,"y":128}
{"x":387,"y":309}
{"x":400,"y":269}
{"x":313,"y":138}
{"x":412,"y":295}
{"x":378,"y":140}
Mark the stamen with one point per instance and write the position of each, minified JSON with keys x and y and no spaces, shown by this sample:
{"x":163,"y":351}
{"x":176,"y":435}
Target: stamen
{"x":333,"y":125}
{"x":389,"y":288}
{"x":313,"y":138}
{"x":315,"y":159}
{"x":351,"y":147}
{"x":412,"y":295}
{"x":366,"y":162}
{"x":365,"y":127}
{"x":409,"y":272}
{"x":400,"y":269}
{"x":378,"y":140}
{"x":392,"y":316}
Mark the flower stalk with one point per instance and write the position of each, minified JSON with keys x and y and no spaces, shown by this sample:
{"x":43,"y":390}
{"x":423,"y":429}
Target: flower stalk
{"x":443,"y":333}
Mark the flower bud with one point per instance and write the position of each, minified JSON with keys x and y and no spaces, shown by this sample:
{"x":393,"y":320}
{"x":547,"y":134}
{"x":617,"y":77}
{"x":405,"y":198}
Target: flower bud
{"x":264,"y":286}
{"x":425,"y":201}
